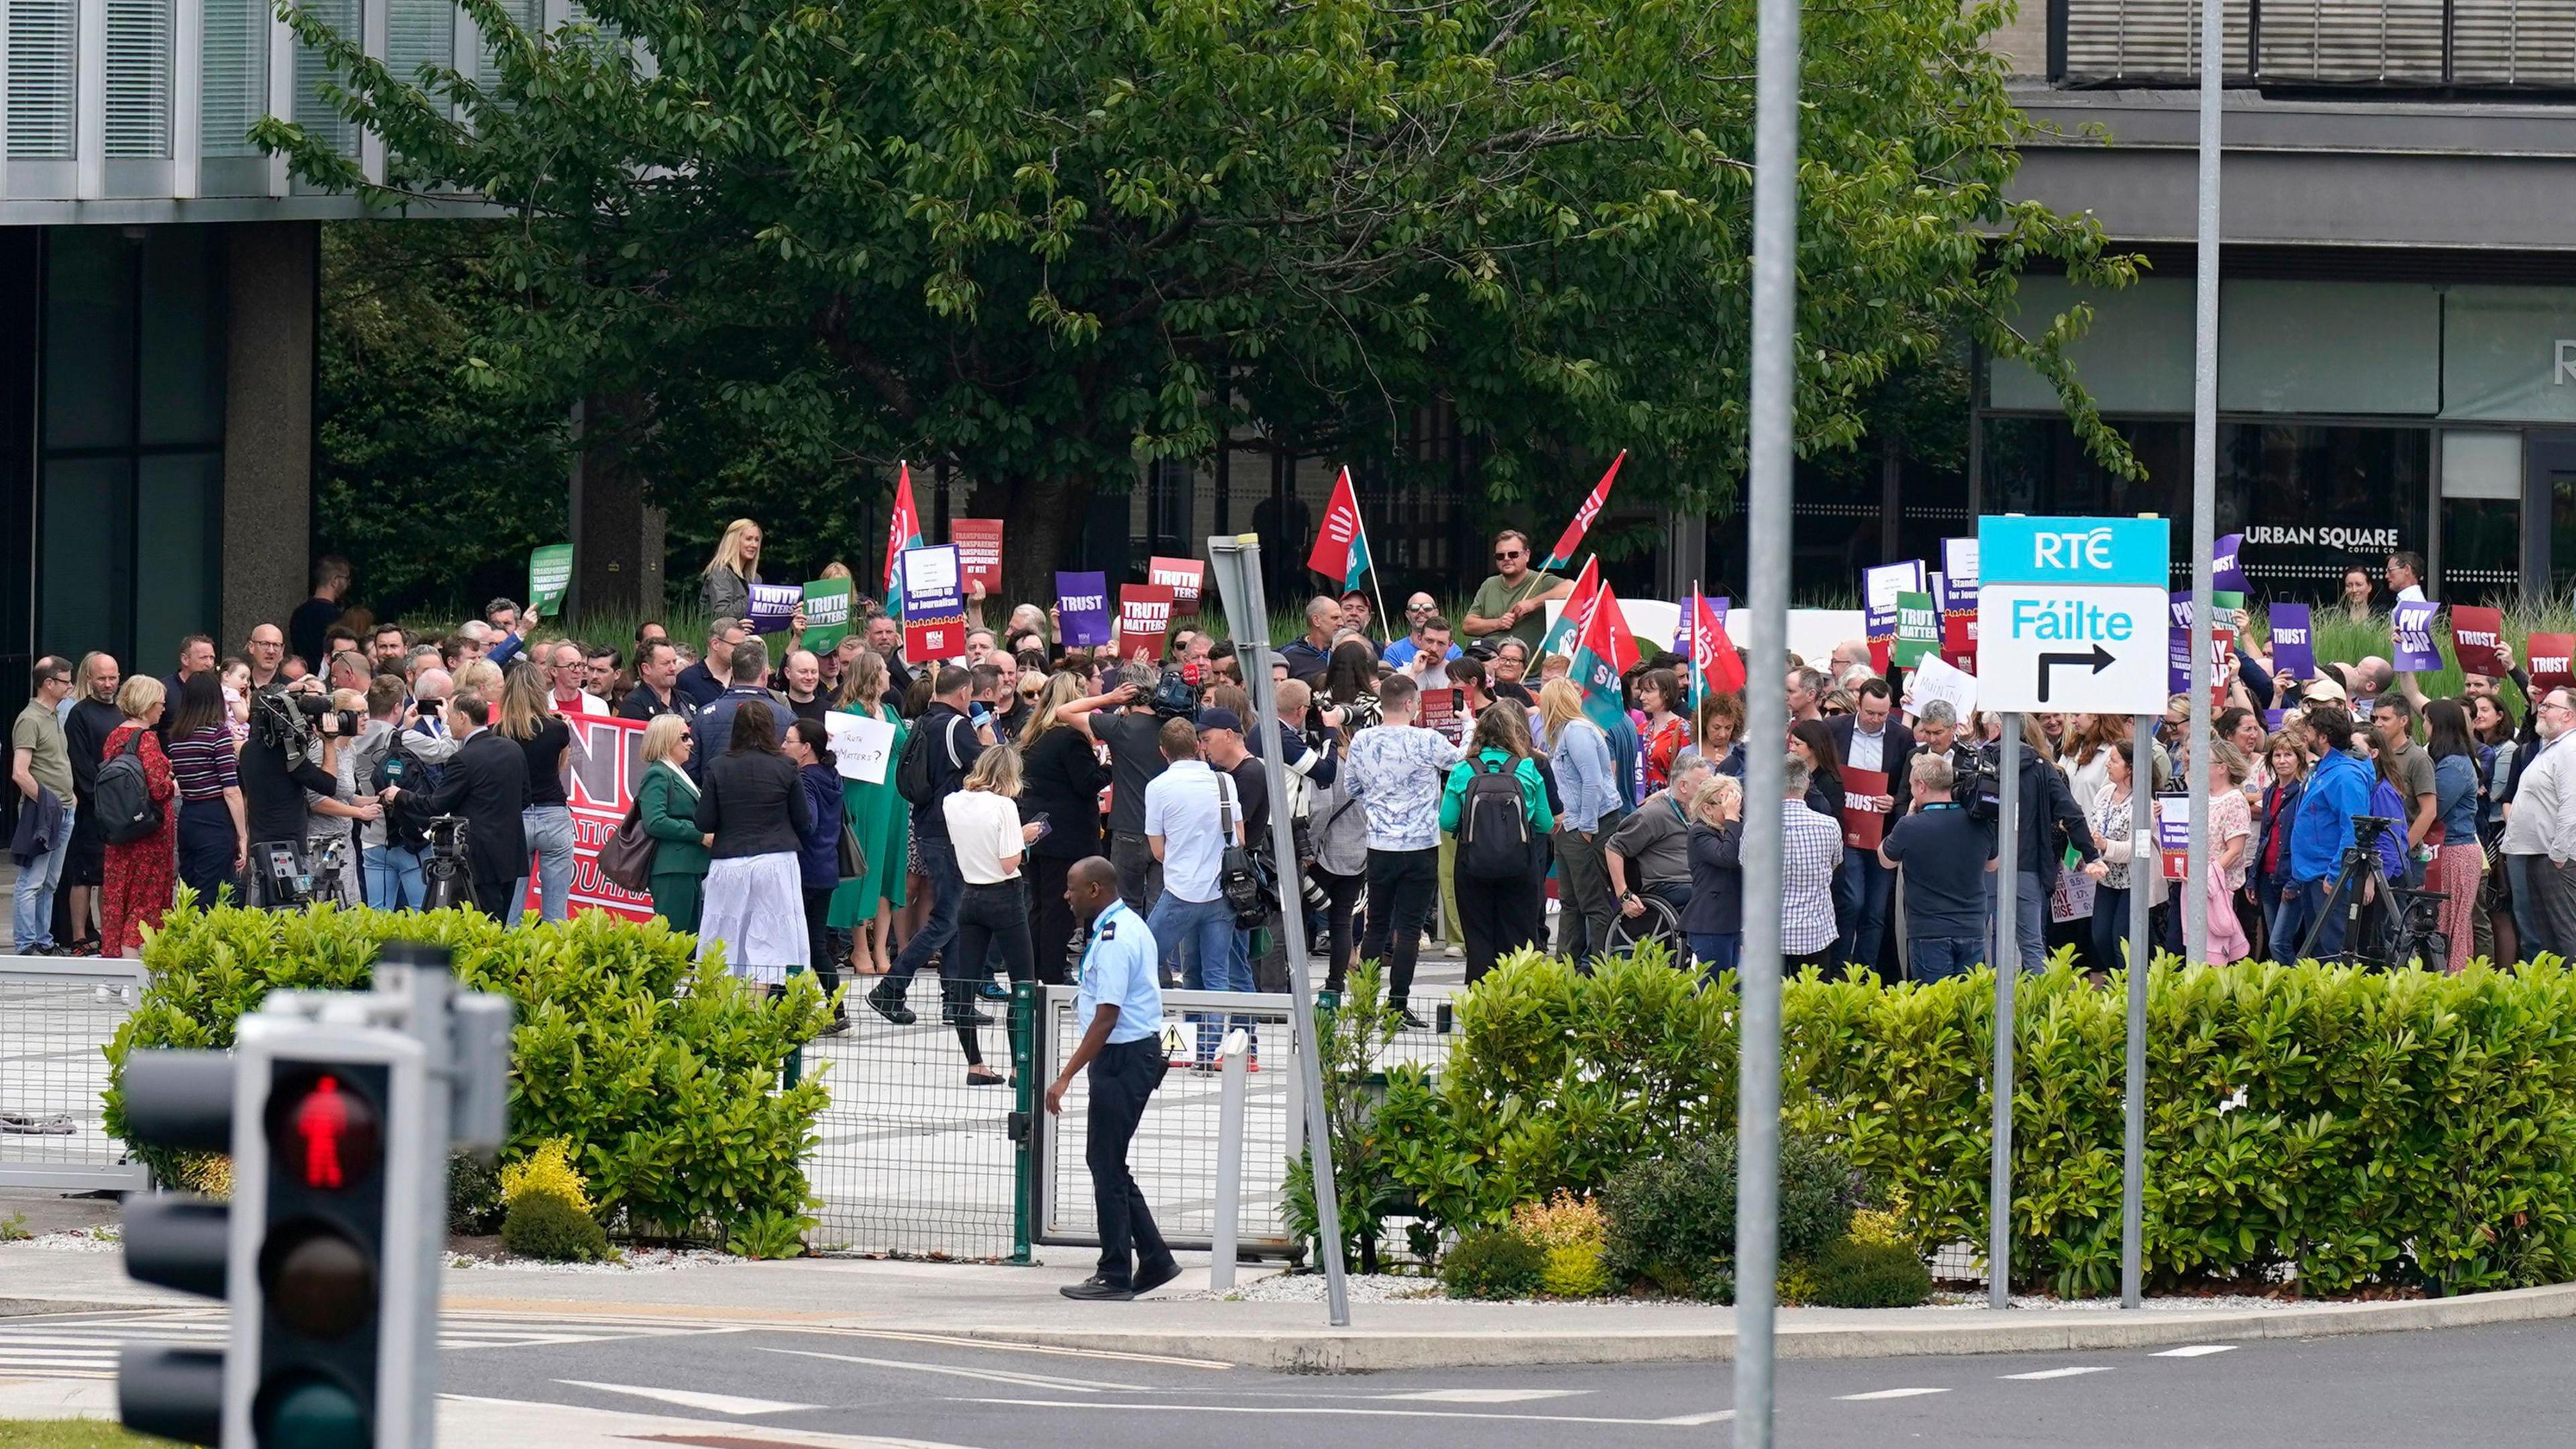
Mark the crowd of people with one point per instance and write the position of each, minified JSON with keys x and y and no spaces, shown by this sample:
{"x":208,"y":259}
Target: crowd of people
{"x":1438,"y":779}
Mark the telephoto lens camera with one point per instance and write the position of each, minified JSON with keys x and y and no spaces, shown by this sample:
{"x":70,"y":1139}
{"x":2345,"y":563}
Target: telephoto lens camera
{"x":1174,"y":698}
{"x":443,"y":870}
{"x":289,"y":719}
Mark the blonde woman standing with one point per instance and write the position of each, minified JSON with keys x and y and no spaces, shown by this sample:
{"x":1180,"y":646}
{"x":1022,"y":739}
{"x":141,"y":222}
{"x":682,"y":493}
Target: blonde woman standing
{"x":726,"y":591}
{"x":528,"y":717}
{"x":983,"y":818}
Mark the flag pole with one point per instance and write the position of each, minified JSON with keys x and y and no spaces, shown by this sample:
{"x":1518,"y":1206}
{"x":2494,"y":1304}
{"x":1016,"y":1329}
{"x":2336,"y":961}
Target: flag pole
{"x":1377,"y":590}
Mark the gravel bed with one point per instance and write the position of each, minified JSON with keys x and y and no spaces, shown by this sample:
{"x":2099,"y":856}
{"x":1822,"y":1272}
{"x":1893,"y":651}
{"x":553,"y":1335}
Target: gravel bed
{"x":630,"y":1260}
{"x":107,"y":1238}
{"x":1397,"y":1288}
{"x":1309,"y":1288}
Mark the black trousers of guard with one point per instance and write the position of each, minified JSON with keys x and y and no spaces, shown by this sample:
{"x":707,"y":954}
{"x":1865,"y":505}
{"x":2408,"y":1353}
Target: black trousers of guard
{"x":1121,"y":1078}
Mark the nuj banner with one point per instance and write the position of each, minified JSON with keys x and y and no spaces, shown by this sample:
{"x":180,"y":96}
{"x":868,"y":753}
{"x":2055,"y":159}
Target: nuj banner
{"x":601,"y":771}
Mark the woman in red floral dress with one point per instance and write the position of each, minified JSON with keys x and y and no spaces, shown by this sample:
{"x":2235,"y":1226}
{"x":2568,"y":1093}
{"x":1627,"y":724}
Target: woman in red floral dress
{"x":141,"y":874}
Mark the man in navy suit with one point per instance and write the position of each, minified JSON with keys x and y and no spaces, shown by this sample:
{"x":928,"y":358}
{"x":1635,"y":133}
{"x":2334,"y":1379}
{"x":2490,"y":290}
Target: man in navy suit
{"x":1869,"y":738}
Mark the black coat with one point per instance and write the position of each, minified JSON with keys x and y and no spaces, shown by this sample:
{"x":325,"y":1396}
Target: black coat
{"x":487,"y":783}
{"x":2050,"y":821}
{"x":1900,"y":743}
{"x":753,"y":803}
{"x":1061,"y":778}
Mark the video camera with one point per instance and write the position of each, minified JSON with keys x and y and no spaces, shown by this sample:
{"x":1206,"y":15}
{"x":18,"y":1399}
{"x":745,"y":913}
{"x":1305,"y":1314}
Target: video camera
{"x":1981,"y":786}
{"x":443,"y":870}
{"x":1174,"y":698}
{"x":2366,"y":830}
{"x":283,"y":719}
{"x":290,"y":876}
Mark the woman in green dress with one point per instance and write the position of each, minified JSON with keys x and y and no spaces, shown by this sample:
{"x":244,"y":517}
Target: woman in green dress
{"x":883,"y":822}
{"x":667,"y":802}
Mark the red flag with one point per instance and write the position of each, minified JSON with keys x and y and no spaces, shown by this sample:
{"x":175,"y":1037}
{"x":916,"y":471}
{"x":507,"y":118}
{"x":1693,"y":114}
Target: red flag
{"x":1605,"y":633}
{"x":903,"y":530}
{"x":1712,"y":653}
{"x":1567,"y":633}
{"x":1341,"y":545}
{"x":1572,"y":539}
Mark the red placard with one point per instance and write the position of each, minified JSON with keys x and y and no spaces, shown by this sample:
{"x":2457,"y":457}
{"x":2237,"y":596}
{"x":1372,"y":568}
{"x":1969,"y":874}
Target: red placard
{"x":2477,"y":640}
{"x":2222,"y":666}
{"x":1144,"y":618}
{"x":1863,"y":825}
{"x":1880,"y":652}
{"x":601,"y":771}
{"x":2547,"y":656}
{"x":979,"y":554}
{"x":1959,"y":640}
{"x":1185,"y":577}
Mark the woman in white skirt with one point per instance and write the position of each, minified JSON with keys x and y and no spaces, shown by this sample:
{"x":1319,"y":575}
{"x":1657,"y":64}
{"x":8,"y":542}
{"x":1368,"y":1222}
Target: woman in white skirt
{"x":753,"y":807}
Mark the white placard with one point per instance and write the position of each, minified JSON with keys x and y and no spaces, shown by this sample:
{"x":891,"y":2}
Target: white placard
{"x":859,"y":746}
{"x":1936,"y":678}
{"x":1959,"y":564}
{"x":930,"y":572}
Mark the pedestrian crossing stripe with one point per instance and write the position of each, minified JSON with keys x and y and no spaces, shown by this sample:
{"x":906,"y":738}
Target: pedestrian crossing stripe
{"x":80,"y":1347}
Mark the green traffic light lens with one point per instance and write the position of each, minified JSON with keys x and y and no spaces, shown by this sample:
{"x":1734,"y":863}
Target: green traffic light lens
{"x":309,"y":1412}
{"x":317,"y":1280}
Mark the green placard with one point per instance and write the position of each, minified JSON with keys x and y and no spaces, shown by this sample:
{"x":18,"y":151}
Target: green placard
{"x":827,"y":614}
{"x":2226,"y":602}
{"x":1918,"y":630}
{"x":549,"y":574}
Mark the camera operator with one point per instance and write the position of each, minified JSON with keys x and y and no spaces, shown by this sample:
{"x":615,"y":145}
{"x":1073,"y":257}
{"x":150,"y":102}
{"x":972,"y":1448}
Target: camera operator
{"x":1132,"y":729}
{"x":293,"y":756}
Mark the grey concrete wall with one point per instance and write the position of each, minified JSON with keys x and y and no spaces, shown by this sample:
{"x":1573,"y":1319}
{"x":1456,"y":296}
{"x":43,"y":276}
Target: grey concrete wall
{"x":273,"y":288}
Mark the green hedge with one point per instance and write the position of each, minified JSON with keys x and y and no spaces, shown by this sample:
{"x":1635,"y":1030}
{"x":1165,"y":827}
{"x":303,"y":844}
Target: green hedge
{"x":2408,"y":1128}
{"x":662,"y":1072}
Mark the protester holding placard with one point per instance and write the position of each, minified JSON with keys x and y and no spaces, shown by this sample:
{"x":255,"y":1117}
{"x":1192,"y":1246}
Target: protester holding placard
{"x":729,"y":575}
{"x":866,"y":906}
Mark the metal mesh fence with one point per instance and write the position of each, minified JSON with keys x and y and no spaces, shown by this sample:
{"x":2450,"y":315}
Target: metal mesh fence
{"x":910,"y":1159}
{"x":56,"y":1017}
{"x":1174,"y":1153}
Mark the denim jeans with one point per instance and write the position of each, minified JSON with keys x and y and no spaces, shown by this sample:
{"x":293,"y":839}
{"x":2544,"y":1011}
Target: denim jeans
{"x":1717,"y":951}
{"x":32,"y":919}
{"x":1868,"y":887}
{"x":947,"y":892}
{"x":392,"y":877}
{"x":2303,"y":903}
{"x":549,"y":829}
{"x":1935,"y":958}
{"x":2528,"y":922}
{"x":2030,"y":920}
{"x":1198,"y":937}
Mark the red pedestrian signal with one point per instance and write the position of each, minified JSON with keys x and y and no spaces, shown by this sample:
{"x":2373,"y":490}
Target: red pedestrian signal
{"x":325,"y":1132}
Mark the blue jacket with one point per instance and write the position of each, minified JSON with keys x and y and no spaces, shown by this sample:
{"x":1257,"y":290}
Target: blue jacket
{"x":2337,"y":790}
{"x":818,"y":850}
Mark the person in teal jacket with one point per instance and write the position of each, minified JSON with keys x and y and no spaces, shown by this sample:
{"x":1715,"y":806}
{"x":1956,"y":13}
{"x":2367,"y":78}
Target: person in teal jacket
{"x":667,"y":804}
{"x":1500,"y":893}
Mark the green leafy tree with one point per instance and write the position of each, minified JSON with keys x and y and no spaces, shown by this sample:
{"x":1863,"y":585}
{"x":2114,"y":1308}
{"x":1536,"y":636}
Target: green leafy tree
{"x":1046,"y":240}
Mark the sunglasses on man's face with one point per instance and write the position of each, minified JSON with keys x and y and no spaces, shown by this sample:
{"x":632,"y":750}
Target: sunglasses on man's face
{"x":1506,"y":555}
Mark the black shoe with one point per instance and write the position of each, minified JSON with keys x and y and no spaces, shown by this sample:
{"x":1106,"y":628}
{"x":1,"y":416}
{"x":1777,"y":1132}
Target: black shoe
{"x":966,"y":1016}
{"x":993,"y":991}
{"x":890,"y":1007}
{"x":980,"y":1079}
{"x":1096,"y":1289}
{"x":840,"y":1026}
{"x":1413,"y":1022}
{"x":1152,"y":1276}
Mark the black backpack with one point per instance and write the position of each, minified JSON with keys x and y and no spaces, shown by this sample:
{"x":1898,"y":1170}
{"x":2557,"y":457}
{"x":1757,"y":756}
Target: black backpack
{"x":1493,"y":823}
{"x":407,"y":819}
{"x":915,"y":778}
{"x":123,"y":796}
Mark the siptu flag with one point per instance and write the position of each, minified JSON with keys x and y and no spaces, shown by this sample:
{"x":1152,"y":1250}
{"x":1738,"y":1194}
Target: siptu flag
{"x":1714,"y":668}
{"x":1341,"y":545}
{"x":1572,"y":539}
{"x":1569,"y":620}
{"x":1604,"y":652}
{"x":903,"y":531}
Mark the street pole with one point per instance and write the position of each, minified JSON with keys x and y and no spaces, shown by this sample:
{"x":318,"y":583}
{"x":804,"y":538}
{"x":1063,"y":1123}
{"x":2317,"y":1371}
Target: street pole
{"x":2007,"y":967}
{"x":1236,"y":562}
{"x":2204,"y":475}
{"x":2133,"y":1132}
{"x":1770,"y":454}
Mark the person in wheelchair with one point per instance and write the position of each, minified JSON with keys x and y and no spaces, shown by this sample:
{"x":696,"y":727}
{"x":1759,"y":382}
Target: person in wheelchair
{"x":1648,"y":861}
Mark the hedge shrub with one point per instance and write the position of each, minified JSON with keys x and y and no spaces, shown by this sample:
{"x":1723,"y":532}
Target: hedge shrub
{"x":1494,"y":1263}
{"x":2394,"y":1128}
{"x":660,"y":1072}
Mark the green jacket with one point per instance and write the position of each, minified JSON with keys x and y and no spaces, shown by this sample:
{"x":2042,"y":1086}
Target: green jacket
{"x":670,"y":812}
{"x":1453,"y":799}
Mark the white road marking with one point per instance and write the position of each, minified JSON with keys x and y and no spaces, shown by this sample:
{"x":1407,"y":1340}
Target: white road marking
{"x":691,"y":1399}
{"x":1679,"y":1421}
{"x":998,"y":1376}
{"x":1888,"y":1394}
{"x":1485,"y":1396}
{"x":2195,"y":1350}
{"x":2056,"y":1373}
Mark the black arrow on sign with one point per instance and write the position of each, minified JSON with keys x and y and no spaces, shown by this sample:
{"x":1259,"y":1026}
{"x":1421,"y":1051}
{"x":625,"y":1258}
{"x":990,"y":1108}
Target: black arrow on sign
{"x":2100,"y":659}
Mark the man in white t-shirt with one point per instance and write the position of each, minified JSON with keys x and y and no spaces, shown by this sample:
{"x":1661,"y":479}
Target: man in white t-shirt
{"x":1186,"y":808}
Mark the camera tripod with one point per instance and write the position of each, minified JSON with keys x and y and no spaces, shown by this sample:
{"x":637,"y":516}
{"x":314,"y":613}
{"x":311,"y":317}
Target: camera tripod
{"x":2405,"y":924}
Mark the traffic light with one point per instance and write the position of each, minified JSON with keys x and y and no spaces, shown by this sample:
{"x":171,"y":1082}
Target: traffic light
{"x":336,"y":1108}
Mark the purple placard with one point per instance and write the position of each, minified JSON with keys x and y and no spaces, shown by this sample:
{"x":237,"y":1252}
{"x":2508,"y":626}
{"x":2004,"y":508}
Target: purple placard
{"x":2179,"y":601}
{"x":1682,"y":625}
{"x":773,"y":606}
{"x":2225,"y":573}
{"x":1082,"y":609}
{"x":2293,"y":646}
{"x":2272,"y":718}
{"x":2177,"y":661}
{"x":2412,"y":626}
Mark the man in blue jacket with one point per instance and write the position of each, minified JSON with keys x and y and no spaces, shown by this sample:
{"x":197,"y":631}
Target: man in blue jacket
{"x":2338,"y":789}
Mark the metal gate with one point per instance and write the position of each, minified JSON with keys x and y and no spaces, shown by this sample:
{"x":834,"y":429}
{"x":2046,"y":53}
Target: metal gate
{"x":57,"y":1016}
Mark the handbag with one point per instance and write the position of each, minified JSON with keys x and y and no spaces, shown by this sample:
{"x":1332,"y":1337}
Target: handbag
{"x":854,"y":861}
{"x":626,"y":857}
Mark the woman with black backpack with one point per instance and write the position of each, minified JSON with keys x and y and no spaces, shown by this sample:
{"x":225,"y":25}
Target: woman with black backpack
{"x":140,"y":869}
{"x":1496,"y":806}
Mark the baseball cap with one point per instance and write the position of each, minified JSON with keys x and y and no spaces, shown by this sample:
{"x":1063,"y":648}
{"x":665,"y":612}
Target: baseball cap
{"x":1219,"y":719}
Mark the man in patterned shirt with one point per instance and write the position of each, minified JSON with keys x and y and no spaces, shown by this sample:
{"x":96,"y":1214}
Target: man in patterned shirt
{"x":1811,"y":849}
{"x":1396,"y":772}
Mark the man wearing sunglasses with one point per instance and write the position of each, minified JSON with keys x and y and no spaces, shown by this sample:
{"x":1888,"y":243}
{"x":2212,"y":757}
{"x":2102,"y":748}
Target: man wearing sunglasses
{"x":1513,"y":601}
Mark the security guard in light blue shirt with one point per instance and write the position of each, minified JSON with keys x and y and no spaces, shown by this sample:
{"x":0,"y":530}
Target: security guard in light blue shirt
{"x":1119,"y":1005}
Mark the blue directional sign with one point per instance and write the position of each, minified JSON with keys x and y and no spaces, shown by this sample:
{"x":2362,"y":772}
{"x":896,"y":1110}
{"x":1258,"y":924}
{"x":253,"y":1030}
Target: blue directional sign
{"x":2071,"y":614}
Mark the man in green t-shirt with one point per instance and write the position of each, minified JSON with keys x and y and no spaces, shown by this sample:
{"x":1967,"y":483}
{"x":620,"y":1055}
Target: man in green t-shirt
{"x":38,"y":759}
{"x":1514,"y":600}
